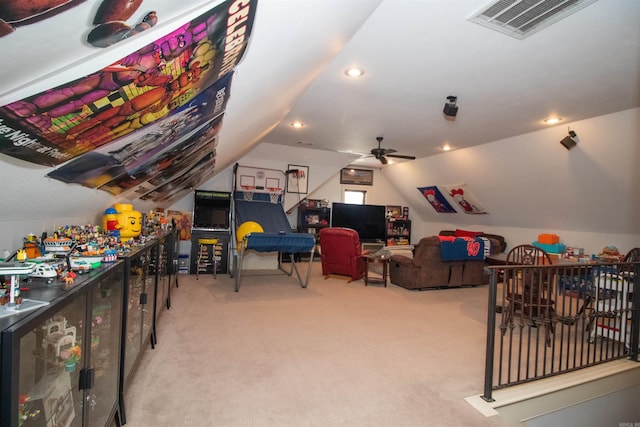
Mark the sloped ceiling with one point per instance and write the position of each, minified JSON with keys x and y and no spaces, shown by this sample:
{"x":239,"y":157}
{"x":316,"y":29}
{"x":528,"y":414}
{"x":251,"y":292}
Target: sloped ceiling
{"x":416,"y":53}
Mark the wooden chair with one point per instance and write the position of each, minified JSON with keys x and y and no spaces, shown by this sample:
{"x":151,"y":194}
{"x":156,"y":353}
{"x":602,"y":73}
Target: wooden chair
{"x":528,"y":290}
{"x":633,"y":255}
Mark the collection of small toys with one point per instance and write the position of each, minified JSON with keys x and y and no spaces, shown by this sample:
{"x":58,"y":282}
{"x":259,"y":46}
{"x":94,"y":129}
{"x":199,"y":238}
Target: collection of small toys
{"x":122,"y":221}
{"x":75,"y":249}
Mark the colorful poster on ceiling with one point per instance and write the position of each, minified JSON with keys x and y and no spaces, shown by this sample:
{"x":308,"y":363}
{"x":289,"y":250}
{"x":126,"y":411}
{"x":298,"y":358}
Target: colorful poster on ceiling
{"x":169,"y":164}
{"x":145,"y":86}
{"x":186,"y":181}
{"x":121,"y":161}
{"x":463,"y":197}
{"x":436,"y":199}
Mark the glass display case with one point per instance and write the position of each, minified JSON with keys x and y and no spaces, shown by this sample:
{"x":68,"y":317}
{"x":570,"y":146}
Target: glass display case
{"x":60,"y":364}
{"x":138,"y":316}
{"x":67,"y":362}
{"x":166,"y":268}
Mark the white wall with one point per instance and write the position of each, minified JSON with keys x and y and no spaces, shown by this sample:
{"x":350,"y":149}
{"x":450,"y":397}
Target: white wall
{"x":589,"y":196}
{"x":32,"y":203}
{"x":530,"y":184}
{"x":322,"y":166}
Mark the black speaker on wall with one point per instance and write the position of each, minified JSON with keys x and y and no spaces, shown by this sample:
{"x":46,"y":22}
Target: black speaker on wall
{"x":450,"y":107}
{"x":569,"y":141}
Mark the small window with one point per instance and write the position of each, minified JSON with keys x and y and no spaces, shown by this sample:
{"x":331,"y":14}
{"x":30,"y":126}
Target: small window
{"x":355,"y":197}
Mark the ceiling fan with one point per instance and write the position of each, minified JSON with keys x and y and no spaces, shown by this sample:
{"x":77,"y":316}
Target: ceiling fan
{"x":382,"y":153}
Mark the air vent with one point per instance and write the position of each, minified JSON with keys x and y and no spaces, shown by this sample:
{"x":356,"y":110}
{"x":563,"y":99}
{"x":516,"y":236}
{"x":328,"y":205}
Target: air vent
{"x":522,"y":18}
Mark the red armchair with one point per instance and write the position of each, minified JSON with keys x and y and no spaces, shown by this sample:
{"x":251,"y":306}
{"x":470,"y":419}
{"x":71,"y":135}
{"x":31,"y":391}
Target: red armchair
{"x":340,"y":253}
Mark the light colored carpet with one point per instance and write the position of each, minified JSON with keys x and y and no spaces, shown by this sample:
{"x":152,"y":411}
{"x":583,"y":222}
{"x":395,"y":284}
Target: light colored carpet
{"x":334,"y":354}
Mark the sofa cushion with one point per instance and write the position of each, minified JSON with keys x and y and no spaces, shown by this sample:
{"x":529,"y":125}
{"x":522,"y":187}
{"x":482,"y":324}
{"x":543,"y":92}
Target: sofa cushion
{"x":466,"y":233}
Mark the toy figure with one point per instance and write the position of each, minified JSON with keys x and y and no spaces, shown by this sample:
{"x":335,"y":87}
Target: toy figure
{"x":458,"y":195}
{"x":110,"y":222}
{"x":129,"y":221}
{"x":14,"y":13}
{"x":21,"y":255}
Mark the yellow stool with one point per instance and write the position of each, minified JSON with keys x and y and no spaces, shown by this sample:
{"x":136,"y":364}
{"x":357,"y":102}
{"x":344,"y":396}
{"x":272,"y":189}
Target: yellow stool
{"x":207,"y":256}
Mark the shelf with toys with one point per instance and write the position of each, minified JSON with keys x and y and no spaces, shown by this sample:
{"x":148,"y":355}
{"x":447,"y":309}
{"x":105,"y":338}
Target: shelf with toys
{"x":48,"y":313}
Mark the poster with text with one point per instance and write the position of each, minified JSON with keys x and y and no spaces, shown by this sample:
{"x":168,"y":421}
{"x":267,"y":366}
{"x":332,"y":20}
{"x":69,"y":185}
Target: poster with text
{"x":152,"y":83}
{"x":167,"y":165}
{"x":123,"y":160}
{"x":184,"y":182}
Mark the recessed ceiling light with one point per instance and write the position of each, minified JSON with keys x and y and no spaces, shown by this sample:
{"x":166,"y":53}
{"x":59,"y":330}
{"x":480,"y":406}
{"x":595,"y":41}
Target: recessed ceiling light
{"x":446,"y":147}
{"x":297,"y":124}
{"x":553,"y":120}
{"x":354,"y":72}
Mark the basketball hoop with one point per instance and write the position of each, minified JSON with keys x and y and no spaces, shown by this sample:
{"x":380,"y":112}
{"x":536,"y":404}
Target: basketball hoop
{"x":247,"y":192}
{"x":274,"y":194}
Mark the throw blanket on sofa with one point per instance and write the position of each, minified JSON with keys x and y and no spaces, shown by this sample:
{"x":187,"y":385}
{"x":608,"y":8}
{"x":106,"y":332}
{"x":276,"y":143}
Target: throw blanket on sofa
{"x":464,"y":248}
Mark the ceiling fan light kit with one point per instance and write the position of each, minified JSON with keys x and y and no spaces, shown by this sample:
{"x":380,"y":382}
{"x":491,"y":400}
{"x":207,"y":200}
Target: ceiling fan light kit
{"x":382,"y":153}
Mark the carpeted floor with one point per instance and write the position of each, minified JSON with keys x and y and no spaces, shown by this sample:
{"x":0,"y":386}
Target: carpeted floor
{"x":334,"y":354}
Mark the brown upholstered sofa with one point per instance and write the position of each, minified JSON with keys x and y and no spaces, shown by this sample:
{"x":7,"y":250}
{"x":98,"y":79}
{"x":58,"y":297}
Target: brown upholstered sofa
{"x":427,"y":270}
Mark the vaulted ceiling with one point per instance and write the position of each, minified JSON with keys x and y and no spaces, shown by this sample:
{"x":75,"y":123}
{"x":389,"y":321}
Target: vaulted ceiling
{"x":416,"y":53}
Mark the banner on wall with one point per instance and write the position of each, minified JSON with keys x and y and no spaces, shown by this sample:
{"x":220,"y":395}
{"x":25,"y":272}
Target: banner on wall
{"x":436,"y":199}
{"x":133,"y":93}
{"x":463,"y":197}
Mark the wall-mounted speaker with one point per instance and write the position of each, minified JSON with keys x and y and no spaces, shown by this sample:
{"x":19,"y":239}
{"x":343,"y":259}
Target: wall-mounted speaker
{"x":450,"y":107}
{"x":450,"y":110}
{"x":568,"y":142}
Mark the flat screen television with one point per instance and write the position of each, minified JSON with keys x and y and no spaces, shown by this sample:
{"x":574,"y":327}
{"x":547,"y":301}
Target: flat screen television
{"x":368,"y":220}
{"x":211,"y":210}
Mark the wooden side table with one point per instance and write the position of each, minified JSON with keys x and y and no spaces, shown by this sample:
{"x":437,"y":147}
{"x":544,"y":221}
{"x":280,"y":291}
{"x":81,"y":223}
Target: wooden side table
{"x":369,"y":259}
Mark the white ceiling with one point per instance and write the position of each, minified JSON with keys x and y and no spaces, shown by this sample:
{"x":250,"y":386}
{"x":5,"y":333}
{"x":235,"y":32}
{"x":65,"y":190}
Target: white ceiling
{"x":416,"y":53}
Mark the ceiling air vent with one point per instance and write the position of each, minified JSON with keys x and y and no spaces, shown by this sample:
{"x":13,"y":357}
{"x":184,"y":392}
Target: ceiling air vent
{"x":521,"y":18}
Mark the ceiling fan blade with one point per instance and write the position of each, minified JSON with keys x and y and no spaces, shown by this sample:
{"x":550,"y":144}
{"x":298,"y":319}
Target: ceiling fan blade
{"x":383,"y":160}
{"x":400,"y":156}
{"x":389,"y":150}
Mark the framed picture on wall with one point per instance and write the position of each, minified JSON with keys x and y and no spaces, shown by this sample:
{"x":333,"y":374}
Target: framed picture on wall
{"x":297,"y":179}
{"x":356,"y":176}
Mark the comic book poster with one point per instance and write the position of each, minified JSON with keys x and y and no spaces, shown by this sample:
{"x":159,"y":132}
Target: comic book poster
{"x":184,"y":182}
{"x":436,"y":199}
{"x":168,"y":164}
{"x":105,"y":167}
{"x":463,"y":197}
{"x":183,"y":222}
{"x":54,"y":126}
